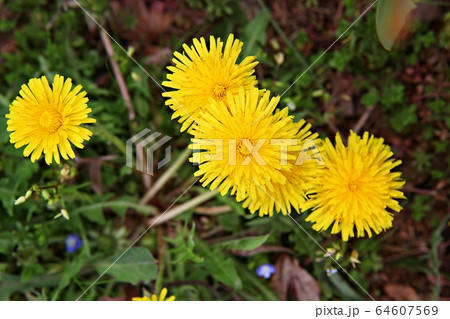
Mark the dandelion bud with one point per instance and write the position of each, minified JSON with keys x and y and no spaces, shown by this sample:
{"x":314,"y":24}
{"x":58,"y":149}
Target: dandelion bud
{"x":45,"y":194}
{"x":279,"y":58}
{"x":65,"y":214}
{"x":20,"y":200}
{"x":51,"y":204}
{"x":354,"y":258}
{"x":65,"y":172}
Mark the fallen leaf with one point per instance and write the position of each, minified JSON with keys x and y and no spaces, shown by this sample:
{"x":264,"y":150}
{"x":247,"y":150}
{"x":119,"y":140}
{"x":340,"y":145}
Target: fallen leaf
{"x":400,"y":292}
{"x":291,"y":278}
{"x":392,"y":16}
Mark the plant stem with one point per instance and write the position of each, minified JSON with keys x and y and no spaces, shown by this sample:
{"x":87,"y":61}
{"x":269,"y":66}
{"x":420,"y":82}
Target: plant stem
{"x":166,"y":176}
{"x":172,"y":213}
{"x":161,"y":260}
{"x":436,"y":240}
{"x":119,"y":77}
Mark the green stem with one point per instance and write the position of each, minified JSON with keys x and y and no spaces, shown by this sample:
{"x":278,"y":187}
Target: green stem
{"x":161,"y":261}
{"x":162,"y":180}
{"x":436,"y":240}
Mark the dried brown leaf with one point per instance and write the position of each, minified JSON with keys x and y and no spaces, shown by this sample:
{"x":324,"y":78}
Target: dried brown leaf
{"x":400,"y":292}
{"x":291,"y":278}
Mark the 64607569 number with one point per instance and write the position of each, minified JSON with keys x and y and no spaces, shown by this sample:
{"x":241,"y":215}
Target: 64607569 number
{"x":407,"y":310}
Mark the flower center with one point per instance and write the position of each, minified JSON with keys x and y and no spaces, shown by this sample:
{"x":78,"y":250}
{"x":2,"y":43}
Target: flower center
{"x":50,"y":120}
{"x":220,"y":91}
{"x":242,"y":148}
{"x":72,"y":242}
{"x":352,"y":186}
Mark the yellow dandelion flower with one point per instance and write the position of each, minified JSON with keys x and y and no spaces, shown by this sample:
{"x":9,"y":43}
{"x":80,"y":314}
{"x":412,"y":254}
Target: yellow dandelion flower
{"x":46,"y":119}
{"x":292,"y":192}
{"x":355,"y":187}
{"x":206,"y":74}
{"x":249,"y":150}
{"x":162,"y":297}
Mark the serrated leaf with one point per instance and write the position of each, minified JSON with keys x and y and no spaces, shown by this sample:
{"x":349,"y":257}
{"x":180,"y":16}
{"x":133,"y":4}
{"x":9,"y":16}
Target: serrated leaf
{"x":135,"y":265}
{"x":223,"y":269}
{"x":218,"y":265}
{"x":391,"y":17}
{"x":247,"y":243}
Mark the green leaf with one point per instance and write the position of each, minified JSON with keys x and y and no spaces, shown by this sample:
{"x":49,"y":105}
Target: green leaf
{"x":8,"y":196}
{"x":340,"y":59}
{"x":70,"y":271}
{"x":344,"y":289}
{"x":371,"y":97}
{"x":106,"y":135}
{"x":184,"y":246}
{"x":135,"y":265}
{"x":404,"y":117}
{"x":230,"y":221}
{"x":391,"y":18}
{"x":223,"y":269}
{"x":419,"y":207}
{"x":247,"y":243}
{"x":392,"y":94}
{"x":10,"y":284}
{"x":255,"y":32}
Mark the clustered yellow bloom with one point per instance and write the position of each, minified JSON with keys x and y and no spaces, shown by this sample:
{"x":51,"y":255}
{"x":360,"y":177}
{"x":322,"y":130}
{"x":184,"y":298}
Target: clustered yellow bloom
{"x":206,"y":74}
{"x":47,"y":119}
{"x":241,"y":138}
{"x":153,"y":297}
{"x":356,"y":187}
{"x":247,"y":147}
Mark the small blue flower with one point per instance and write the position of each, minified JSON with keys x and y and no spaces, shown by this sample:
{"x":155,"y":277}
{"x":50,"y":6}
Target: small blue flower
{"x":265,"y":270}
{"x":73,"y":242}
{"x":331,"y":271}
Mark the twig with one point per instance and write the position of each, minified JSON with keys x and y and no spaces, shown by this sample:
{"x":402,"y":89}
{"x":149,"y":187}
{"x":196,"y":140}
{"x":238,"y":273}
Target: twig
{"x":410,"y":189}
{"x":212,"y":211}
{"x":165,"y":176}
{"x":172,"y":213}
{"x":55,"y":17}
{"x":119,"y":77}
{"x":211,"y":232}
{"x":332,"y":126}
{"x":362,"y":120}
